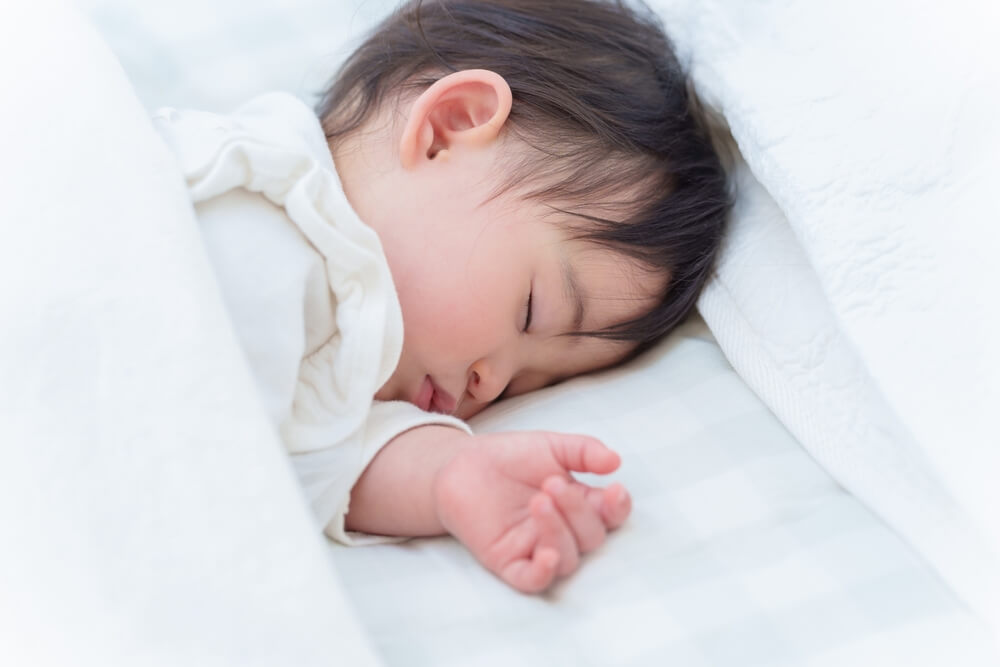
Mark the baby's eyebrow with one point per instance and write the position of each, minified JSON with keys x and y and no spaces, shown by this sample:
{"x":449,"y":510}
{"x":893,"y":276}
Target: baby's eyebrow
{"x":574,"y":291}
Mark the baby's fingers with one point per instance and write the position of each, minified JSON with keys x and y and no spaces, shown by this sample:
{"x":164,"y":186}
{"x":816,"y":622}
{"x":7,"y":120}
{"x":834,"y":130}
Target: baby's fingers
{"x":555,"y":533}
{"x":534,"y":574}
{"x":554,"y":552}
{"x":612,"y":503}
{"x":581,"y":453}
{"x":583,"y":518}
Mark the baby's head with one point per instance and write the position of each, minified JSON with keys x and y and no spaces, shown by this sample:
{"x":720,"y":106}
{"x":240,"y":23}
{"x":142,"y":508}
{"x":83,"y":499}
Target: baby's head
{"x":545,"y":196}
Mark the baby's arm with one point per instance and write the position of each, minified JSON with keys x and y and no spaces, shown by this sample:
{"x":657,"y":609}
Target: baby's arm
{"x":508,"y":497}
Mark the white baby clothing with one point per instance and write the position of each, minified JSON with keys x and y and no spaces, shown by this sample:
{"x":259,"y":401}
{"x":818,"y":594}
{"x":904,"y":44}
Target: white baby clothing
{"x":307,"y":287}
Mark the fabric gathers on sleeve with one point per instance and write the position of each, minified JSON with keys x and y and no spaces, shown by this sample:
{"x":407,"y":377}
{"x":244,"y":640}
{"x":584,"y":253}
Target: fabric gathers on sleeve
{"x":307,"y":287}
{"x":274,"y":146}
{"x":328,"y":475}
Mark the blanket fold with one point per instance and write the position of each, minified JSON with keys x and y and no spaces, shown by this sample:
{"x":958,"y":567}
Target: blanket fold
{"x":150,"y":515}
{"x":855,"y":292}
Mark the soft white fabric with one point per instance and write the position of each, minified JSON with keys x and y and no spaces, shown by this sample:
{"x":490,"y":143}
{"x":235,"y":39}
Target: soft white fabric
{"x":330,"y":330}
{"x":306,"y":285}
{"x":327,"y":475}
{"x":149,"y":512}
{"x":861,"y":304}
{"x":140,"y":550}
{"x":741,"y":550}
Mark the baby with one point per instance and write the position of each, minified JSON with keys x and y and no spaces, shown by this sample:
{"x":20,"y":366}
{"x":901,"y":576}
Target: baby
{"x":497,"y":195}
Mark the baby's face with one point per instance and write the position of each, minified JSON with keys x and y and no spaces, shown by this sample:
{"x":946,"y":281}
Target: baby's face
{"x":490,"y":288}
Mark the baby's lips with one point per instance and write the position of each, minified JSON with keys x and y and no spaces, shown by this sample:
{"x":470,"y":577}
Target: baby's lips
{"x":442,"y":401}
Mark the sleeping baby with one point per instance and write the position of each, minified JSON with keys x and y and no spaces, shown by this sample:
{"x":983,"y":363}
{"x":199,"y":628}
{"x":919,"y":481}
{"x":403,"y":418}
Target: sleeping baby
{"x":494,"y":196}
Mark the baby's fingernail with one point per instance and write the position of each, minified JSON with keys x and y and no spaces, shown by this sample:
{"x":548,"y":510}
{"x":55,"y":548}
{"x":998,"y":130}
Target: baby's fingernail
{"x":545,"y":505}
{"x":549,"y":559}
{"x":555,"y":486}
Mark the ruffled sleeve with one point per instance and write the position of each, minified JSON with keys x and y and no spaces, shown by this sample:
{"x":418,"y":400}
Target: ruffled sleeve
{"x":275,"y":146}
{"x":307,"y":287}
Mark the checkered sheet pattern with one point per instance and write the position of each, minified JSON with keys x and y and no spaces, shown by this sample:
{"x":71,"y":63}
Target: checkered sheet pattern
{"x":741,"y":550}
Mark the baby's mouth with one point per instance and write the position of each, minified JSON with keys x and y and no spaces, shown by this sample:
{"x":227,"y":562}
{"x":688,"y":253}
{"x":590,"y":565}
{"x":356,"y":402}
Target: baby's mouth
{"x":432,"y":398}
{"x":425,"y":394}
{"x":441,"y":401}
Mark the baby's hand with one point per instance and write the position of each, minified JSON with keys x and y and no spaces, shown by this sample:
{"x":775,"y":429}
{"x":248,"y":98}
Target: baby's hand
{"x":510,"y":499}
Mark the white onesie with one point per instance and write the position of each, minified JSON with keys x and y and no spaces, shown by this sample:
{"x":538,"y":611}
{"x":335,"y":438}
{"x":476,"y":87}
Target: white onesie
{"x":306,"y":285}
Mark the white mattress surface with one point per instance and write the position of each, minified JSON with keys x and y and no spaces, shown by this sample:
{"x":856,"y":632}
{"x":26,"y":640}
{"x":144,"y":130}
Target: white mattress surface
{"x":742,"y":550}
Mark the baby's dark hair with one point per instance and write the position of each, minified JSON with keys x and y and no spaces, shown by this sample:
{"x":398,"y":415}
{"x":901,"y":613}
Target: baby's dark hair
{"x":615,"y":140}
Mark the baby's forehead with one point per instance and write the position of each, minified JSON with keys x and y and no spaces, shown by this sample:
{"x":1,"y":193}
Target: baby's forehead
{"x":611,"y":283}
{"x":607,"y":285}
{"x":611,"y":272}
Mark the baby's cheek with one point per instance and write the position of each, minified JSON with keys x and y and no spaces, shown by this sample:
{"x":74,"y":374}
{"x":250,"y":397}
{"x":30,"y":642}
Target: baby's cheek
{"x":454,"y":315}
{"x":456,"y":309}
{"x":469,"y":410}
{"x":456,"y":333}
{"x":432,"y":328}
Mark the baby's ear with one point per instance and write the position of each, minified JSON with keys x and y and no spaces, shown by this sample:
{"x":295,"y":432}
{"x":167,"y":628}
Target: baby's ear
{"x":466,"y":108}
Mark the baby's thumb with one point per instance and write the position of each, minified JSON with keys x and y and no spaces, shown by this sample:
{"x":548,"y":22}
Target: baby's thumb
{"x":581,"y":453}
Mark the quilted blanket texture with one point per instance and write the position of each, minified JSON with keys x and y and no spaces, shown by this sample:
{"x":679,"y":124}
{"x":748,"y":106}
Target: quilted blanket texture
{"x":138,"y":475}
{"x":856,"y":294}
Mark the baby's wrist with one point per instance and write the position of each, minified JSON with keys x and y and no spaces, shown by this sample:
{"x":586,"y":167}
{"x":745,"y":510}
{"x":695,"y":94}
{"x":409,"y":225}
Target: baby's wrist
{"x":394,"y":495}
{"x":449,"y":487}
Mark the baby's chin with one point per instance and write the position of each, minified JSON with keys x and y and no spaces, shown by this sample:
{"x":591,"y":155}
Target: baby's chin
{"x":396,"y":388}
{"x":469,"y":410}
{"x":390,"y":392}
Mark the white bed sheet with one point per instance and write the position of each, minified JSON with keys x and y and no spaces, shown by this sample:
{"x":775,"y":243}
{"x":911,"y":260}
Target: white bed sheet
{"x":741,"y":551}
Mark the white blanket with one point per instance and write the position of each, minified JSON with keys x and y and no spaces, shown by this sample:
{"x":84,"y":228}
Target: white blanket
{"x":148,"y":510}
{"x":148,"y":513}
{"x":865,"y":316}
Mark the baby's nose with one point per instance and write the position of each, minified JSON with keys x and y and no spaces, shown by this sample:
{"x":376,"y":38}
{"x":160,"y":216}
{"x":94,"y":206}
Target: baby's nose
{"x":485,"y":384}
